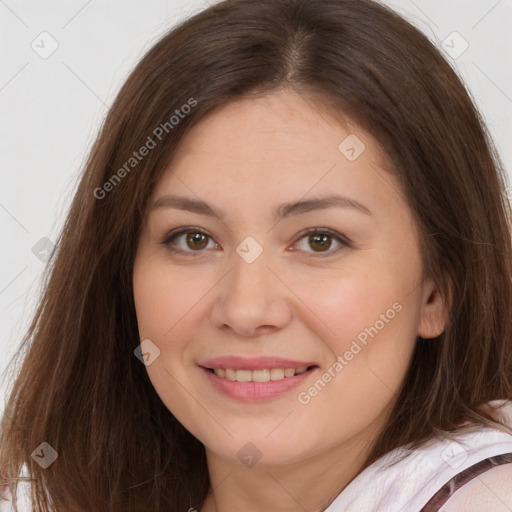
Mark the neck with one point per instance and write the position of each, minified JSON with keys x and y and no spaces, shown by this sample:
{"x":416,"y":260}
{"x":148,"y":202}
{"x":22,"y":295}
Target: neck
{"x":309,"y":484}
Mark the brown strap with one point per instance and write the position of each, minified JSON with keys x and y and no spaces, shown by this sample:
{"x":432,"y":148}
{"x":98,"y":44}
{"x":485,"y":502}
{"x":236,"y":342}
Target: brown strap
{"x":442,"y":496}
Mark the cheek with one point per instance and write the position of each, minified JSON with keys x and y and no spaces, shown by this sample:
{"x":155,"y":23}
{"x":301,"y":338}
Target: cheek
{"x":346,"y":307}
{"x":368,"y":321}
{"x":371,"y":335}
{"x":164,"y":306}
{"x":162,"y":300}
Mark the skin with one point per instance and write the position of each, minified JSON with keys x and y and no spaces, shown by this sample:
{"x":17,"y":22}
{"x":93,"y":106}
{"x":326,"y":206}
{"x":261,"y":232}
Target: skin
{"x":245,"y":158}
{"x":490,"y":491}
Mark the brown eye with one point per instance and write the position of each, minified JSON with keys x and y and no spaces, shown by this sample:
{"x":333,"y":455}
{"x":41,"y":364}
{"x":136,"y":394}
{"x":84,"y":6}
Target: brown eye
{"x":320,"y":240}
{"x":194,"y":241}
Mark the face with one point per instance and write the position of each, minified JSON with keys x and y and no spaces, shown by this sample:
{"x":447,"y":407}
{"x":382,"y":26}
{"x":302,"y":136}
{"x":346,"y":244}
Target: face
{"x":238,"y":289}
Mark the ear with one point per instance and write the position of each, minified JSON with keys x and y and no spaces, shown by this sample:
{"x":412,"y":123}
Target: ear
{"x":433,"y":312}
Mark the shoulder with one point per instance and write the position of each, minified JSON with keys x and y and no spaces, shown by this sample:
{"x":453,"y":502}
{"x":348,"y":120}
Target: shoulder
{"x":491,"y":491}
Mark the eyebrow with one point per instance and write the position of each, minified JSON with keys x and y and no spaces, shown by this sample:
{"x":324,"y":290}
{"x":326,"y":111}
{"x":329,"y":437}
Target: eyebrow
{"x":280,"y":211}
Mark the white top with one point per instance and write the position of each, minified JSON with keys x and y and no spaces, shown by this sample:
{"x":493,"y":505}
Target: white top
{"x":408,"y":485}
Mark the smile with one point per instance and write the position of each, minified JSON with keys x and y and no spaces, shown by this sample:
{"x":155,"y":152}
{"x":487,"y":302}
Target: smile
{"x":263,"y":375}
{"x":244,"y":386}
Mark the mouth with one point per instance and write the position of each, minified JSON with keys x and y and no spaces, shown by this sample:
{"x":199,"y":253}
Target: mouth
{"x":253,"y":379}
{"x":259,"y":384}
{"x":259,"y":375}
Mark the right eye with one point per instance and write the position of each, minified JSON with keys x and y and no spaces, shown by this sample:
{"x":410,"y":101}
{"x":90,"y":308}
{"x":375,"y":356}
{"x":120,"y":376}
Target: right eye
{"x":195,"y":240}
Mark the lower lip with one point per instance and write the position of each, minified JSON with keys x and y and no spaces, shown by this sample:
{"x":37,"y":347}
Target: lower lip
{"x":256,"y":391}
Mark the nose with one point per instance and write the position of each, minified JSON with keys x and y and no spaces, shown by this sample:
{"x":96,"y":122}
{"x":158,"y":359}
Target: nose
{"x":251,"y":300}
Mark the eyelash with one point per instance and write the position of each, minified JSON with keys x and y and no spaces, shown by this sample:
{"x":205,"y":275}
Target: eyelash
{"x":344,"y":241}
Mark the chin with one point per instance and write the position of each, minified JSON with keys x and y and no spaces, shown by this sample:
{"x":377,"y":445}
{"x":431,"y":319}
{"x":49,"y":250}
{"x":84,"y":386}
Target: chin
{"x":250,"y":451}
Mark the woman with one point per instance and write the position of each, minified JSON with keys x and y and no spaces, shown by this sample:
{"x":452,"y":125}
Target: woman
{"x":284,"y":283}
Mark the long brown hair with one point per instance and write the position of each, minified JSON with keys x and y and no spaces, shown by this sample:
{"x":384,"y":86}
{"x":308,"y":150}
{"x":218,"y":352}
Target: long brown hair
{"x":81,"y":389}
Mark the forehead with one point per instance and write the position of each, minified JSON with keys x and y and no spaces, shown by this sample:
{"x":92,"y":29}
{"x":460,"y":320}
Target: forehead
{"x":277,"y":147}
{"x":289,"y":125}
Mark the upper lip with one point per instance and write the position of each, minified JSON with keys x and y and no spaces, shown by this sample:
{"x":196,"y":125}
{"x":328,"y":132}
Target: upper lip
{"x":254,"y":363}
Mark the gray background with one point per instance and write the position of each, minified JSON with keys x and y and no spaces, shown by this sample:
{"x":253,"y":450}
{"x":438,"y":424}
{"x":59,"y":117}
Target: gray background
{"x":52,"y":107}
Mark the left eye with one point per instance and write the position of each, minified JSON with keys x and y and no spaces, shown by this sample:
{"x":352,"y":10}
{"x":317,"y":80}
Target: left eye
{"x":320,"y":238}
{"x":196,"y":240}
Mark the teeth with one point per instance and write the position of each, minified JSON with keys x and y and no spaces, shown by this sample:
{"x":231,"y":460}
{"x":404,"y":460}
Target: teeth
{"x":278,"y":373}
{"x":258,"y":375}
